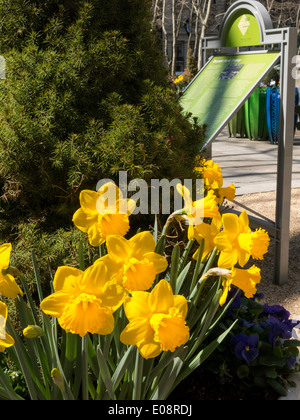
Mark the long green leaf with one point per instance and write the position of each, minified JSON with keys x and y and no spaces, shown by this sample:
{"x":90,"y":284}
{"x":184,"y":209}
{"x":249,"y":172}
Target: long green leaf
{"x":160,"y":246}
{"x":185,"y":255}
{"x":166,"y":382}
{"x":105,"y":373}
{"x":197,"y":267}
{"x":7,"y":393}
{"x":122,"y":366}
{"x":181,"y":277}
{"x":24,"y":362}
{"x":174,"y":266}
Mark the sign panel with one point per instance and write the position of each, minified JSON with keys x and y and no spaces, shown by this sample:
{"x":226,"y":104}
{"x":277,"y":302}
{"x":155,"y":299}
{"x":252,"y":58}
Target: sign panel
{"x":222,"y":87}
{"x":243,"y":31}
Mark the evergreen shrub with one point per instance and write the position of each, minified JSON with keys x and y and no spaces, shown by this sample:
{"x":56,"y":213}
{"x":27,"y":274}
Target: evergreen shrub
{"x":85,"y":96}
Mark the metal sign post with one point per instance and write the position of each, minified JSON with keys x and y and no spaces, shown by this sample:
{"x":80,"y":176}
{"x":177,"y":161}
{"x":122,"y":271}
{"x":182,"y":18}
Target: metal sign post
{"x":248,"y":24}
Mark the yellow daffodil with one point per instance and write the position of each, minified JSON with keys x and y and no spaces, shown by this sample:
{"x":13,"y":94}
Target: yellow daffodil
{"x":5,"y":339}
{"x":237,"y":243}
{"x":246,"y":280}
{"x":8,"y":285}
{"x":178,"y":79}
{"x":197,"y":210}
{"x":133,"y":261}
{"x":213,"y":180}
{"x":211,"y":174}
{"x":84,"y":301}
{"x":156,"y":321}
{"x":206,"y":232}
{"x":102,"y":213}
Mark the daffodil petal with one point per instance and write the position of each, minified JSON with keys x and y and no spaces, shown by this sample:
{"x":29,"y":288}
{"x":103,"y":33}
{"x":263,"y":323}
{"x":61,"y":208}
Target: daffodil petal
{"x":137,"y":305}
{"x":223,"y":243}
{"x":227,"y":259}
{"x":180,"y":303}
{"x":244,"y":222}
{"x":67,"y":279}
{"x":230,"y":224}
{"x":9,"y":287}
{"x":94,"y":278}
{"x":118,"y":247}
{"x":113,"y":295}
{"x":161,"y":298}
{"x":84,"y":221}
{"x":54,"y":304}
{"x":160,"y":263}
{"x":149,"y":348}
{"x":113,"y":267}
{"x":6,"y":342}
{"x":142,"y":243}
{"x":3,"y":310}
{"x":88,"y":202}
{"x":185,"y":193}
{"x":94,"y":235}
{"x":243,"y":257}
{"x":135,"y":331}
{"x":5,"y":250}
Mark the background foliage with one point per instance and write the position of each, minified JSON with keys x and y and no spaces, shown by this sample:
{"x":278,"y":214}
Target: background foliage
{"x":85,"y":95}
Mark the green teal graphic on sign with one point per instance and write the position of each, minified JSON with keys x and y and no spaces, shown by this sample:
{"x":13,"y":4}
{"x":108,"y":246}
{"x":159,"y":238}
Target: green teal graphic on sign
{"x":222,"y":86}
{"x":243,"y":30}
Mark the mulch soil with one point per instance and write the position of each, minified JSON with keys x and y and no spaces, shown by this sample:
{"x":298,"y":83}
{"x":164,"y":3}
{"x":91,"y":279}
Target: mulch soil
{"x":202,"y":385}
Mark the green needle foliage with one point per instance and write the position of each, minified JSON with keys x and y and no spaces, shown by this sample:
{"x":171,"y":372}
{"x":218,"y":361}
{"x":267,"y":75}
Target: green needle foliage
{"x":85,"y":96}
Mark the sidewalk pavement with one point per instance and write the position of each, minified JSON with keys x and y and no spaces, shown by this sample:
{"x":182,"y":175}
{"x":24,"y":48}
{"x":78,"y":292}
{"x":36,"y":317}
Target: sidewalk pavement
{"x":251,"y":165}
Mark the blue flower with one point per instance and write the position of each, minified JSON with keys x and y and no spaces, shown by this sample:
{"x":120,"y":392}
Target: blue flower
{"x":247,"y":324}
{"x":277,"y":318}
{"x":245,"y":347}
{"x":291,"y":361}
{"x":282,"y":329}
{"x":275,"y":310}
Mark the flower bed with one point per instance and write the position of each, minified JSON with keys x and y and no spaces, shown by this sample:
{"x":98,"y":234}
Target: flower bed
{"x":134,"y":324}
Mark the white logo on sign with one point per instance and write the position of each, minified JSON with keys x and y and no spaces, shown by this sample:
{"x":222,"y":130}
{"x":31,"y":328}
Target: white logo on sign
{"x":244,"y":24}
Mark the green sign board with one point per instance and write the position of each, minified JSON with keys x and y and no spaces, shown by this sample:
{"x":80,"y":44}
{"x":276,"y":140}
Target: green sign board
{"x":222,"y":86}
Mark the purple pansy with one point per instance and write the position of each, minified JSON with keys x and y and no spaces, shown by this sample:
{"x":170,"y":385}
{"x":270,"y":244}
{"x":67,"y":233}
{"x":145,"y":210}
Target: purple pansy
{"x":245,"y":347}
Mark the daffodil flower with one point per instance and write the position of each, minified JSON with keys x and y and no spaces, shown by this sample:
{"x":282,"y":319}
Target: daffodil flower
{"x":246,"y":280}
{"x":8,"y":285}
{"x":213,"y":180}
{"x":206,"y":232}
{"x":237,"y":243}
{"x":196,"y":211}
{"x":5,"y":339}
{"x":211,"y":174}
{"x":84,"y":301}
{"x":156,"y":321}
{"x":102,"y":213}
{"x":133,"y":262}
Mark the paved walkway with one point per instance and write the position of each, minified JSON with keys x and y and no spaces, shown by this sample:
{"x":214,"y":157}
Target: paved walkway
{"x":251,"y":165}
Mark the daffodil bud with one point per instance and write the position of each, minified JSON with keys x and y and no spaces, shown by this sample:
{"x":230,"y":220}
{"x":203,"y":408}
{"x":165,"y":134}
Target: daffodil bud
{"x":216,"y":271}
{"x":33,"y":331}
{"x":58,"y":379}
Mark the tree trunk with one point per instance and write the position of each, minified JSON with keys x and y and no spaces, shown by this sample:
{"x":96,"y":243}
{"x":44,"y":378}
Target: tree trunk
{"x":173,"y":39}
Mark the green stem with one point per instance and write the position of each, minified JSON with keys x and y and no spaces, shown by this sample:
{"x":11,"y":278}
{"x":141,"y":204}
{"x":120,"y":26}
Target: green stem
{"x":84,"y":367}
